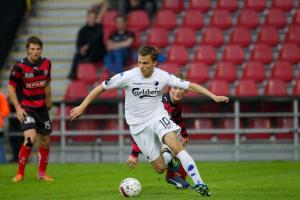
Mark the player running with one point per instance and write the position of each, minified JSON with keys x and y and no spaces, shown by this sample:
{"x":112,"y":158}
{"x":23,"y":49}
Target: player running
{"x":148,"y":121}
{"x":30,"y":92}
{"x":172,"y":103}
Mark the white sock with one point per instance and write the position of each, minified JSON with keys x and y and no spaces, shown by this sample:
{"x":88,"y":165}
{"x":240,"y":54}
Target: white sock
{"x":190,"y":166}
{"x":167,"y":158}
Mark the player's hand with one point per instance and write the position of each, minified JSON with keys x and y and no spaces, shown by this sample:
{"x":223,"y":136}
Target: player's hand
{"x":132,"y":161}
{"x":220,"y":99}
{"x":21,"y":114}
{"x":184,"y":141}
{"x":76,"y":112}
{"x":49,"y":104}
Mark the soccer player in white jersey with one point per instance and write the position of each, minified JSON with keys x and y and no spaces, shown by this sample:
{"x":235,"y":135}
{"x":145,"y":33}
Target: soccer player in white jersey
{"x":148,"y":121}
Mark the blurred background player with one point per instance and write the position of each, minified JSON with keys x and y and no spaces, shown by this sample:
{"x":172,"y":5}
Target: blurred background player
{"x":30,"y":92}
{"x":172,"y":103}
{"x":4,"y":111}
{"x":90,"y":46}
{"x":119,"y":46}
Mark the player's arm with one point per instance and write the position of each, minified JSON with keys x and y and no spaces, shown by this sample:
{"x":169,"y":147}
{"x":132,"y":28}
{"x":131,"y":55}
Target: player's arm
{"x":21,"y":113}
{"x":180,"y":122}
{"x":48,"y":96}
{"x":79,"y":110}
{"x":193,"y":87}
{"x":14,"y":81}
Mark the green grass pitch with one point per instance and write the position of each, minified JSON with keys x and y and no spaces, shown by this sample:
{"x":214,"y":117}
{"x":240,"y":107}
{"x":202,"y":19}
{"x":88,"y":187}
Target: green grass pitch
{"x":227,"y":180}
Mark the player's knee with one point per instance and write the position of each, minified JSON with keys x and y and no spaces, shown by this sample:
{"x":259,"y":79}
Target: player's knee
{"x":45,"y":142}
{"x":176,"y":149}
{"x":160,"y":169}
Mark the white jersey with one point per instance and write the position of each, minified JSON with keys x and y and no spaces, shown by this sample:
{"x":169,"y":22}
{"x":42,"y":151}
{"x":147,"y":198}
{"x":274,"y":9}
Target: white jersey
{"x":143,"y":96}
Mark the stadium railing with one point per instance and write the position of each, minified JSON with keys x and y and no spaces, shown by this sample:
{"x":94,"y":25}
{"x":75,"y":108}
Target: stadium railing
{"x":122,"y":144}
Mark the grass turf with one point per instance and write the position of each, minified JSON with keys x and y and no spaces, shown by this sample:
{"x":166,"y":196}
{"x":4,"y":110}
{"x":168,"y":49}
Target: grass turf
{"x":227,"y":180}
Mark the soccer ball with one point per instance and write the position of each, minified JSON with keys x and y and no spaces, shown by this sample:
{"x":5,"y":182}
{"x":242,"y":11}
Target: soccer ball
{"x":130,"y":187}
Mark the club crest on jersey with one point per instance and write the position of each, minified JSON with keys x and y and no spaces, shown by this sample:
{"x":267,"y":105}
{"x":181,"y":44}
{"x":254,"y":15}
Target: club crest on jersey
{"x":142,"y":93}
{"x":156,"y":83}
{"x":29,"y":75}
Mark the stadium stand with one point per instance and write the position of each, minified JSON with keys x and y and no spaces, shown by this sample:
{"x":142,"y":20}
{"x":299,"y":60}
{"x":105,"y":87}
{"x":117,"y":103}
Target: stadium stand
{"x":238,"y":48}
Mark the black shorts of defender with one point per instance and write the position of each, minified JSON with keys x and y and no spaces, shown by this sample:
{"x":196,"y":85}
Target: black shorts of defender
{"x":37,"y":119}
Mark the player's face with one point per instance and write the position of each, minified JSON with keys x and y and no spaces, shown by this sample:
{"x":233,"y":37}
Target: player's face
{"x":146,"y":64}
{"x":34,"y":52}
{"x":91,"y":19}
{"x":120,"y":23}
{"x":177,"y":94}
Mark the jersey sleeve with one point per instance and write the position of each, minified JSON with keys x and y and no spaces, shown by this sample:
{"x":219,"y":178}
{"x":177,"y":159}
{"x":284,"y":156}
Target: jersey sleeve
{"x":15,"y":76}
{"x":49,"y":71}
{"x":135,"y":150}
{"x":117,"y":81}
{"x":177,"y":82}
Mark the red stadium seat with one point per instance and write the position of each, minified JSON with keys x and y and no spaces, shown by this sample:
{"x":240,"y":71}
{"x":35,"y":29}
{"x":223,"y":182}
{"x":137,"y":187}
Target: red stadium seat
{"x":87,"y":73}
{"x":230,"y":5}
{"x":198,"y":72}
{"x":158,"y":37}
{"x":259,"y":123}
{"x":76,"y":90}
{"x":137,"y":39}
{"x":262,"y":53}
{"x":254,"y":71}
{"x":172,"y":68}
{"x":202,"y":5}
{"x":225,"y":71}
{"x":282,"y":70}
{"x":275,"y":88}
{"x":275,"y":17}
{"x":247,"y":88}
{"x":107,"y":32}
{"x":257,"y":5}
{"x":296,"y":17}
{"x":108,"y":19}
{"x":248,"y":18}
{"x":135,"y":22}
{"x":285,"y":5}
{"x":185,"y":37}
{"x":85,"y":125}
{"x":165,"y":19}
{"x":205,"y":54}
{"x":226,"y":123}
{"x":268,"y":35}
{"x":233,"y":53}
{"x":284,"y":122}
{"x":193,"y":19}
{"x":296,"y":89}
{"x":290,"y":53}
{"x":178,"y":54}
{"x":293,"y":35}
{"x":175,"y":6}
{"x":219,"y":87}
{"x":221,"y":19}
{"x":240,"y":36}
{"x":213,"y":36}
{"x":202,"y":124}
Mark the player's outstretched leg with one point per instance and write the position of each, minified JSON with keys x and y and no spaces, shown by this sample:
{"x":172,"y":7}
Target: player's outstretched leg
{"x":187,"y":162}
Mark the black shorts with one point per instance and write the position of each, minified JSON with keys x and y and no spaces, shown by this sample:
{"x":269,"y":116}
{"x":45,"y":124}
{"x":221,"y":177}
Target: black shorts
{"x":37,"y":119}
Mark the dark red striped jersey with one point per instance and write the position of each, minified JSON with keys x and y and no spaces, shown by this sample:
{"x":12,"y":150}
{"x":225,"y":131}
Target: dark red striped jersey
{"x":175,"y":112}
{"x":30,"y":81}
